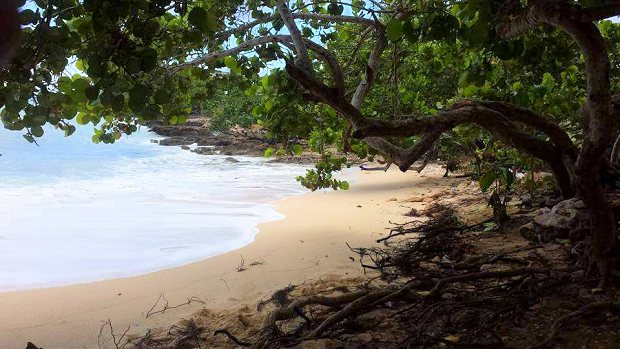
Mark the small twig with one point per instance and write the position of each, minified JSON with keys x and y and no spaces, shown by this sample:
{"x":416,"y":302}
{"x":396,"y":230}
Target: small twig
{"x":154,"y":305}
{"x":167,"y":305}
{"x":116,"y":341}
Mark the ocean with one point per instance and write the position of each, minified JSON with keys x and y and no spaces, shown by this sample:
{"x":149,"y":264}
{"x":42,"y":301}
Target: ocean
{"x":72,"y":211}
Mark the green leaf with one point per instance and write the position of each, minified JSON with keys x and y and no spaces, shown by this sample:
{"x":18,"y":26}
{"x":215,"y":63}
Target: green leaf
{"x":27,"y":17}
{"x":470,"y":91}
{"x":394,"y":29}
{"x":138,"y":98}
{"x":344,"y":185}
{"x":80,"y":65}
{"x":487,"y":180}
{"x":335,"y":9}
{"x":269,"y":152}
{"x":297,"y":149}
{"x":148,"y":59}
{"x":517,"y":86}
{"x":64,"y":84}
{"x":69,"y":131}
{"x":92,"y":93}
{"x":203,"y":20}
{"x":82,"y":118}
{"x":80,"y":84}
{"x":37,"y":131}
{"x":268,"y":105}
{"x":118,"y":102}
{"x":265,"y":81}
{"x":162,"y":97}
{"x":231,"y":63}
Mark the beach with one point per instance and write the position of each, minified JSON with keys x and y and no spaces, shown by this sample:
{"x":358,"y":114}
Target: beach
{"x":309,"y":244}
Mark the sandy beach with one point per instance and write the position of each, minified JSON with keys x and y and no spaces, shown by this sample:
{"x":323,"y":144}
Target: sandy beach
{"x":310,"y":243}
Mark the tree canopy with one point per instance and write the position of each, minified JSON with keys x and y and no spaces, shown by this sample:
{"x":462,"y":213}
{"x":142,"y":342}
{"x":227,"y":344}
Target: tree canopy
{"x":398,"y":75}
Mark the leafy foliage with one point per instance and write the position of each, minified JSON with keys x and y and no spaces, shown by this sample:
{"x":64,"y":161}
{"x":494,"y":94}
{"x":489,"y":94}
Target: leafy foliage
{"x":116,"y":64}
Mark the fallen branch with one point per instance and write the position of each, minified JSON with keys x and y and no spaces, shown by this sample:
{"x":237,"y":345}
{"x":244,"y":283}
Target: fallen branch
{"x":166,"y":306}
{"x":115,"y":341}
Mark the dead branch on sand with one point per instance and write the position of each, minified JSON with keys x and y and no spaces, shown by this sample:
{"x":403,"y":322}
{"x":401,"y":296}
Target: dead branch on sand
{"x":166,"y":305}
{"x":116,"y":341}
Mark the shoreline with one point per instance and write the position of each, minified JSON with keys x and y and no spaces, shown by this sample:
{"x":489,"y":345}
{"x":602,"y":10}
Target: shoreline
{"x":138,"y":220}
{"x":309,"y":243}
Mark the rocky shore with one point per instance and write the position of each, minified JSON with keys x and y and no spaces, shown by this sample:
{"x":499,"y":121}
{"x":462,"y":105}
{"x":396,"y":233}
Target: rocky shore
{"x":196,"y":136}
{"x":196,"y":131}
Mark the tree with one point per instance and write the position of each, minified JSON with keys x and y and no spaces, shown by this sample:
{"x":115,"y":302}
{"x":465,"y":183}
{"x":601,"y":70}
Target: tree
{"x":9,"y":19}
{"x":139,"y":59}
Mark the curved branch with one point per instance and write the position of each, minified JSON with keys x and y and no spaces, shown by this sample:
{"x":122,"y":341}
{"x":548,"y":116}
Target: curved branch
{"x":577,"y":22}
{"x":281,"y":39}
{"x":304,"y":16}
{"x":490,"y":119}
{"x":407,"y":157}
{"x":371,"y":67}
{"x":303,"y":58}
{"x":242,"y":47}
{"x":529,"y":118}
{"x":432,"y":127}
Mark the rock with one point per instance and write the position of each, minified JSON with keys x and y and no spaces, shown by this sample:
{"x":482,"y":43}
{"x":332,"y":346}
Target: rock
{"x":393,"y":199}
{"x":174,"y":141}
{"x":184,"y":147}
{"x":526,"y":201}
{"x":233,"y":160}
{"x":205,"y":151}
{"x":565,"y":217}
{"x":551,"y":201}
{"x":527,"y":232}
{"x":31,"y":346}
{"x":177,"y":130}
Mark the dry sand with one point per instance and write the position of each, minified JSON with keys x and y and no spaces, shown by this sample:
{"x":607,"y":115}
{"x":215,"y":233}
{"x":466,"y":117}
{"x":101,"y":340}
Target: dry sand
{"x":310,"y":243}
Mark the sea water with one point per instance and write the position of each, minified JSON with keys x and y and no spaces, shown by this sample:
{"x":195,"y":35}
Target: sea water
{"x":72,"y":211}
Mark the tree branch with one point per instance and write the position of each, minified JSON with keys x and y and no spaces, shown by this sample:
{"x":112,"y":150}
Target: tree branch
{"x":304,"y":16}
{"x":373,"y":63}
{"x":285,"y":40}
{"x":303,"y":59}
{"x":577,"y":22}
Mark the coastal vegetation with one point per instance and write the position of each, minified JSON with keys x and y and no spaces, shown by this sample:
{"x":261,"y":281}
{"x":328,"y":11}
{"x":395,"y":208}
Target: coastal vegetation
{"x":507,"y":89}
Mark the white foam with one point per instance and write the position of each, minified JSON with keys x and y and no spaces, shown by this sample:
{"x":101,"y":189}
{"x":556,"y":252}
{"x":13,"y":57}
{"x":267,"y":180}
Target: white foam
{"x":125,"y":215}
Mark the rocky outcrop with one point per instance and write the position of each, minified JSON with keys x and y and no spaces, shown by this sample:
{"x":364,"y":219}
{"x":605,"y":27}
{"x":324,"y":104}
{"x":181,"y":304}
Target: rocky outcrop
{"x":236,"y":141}
{"x":567,"y":219}
{"x":196,"y":131}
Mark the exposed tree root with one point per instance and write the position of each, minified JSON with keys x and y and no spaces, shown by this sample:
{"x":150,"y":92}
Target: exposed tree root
{"x":418,"y":288}
{"x":428,"y":290}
